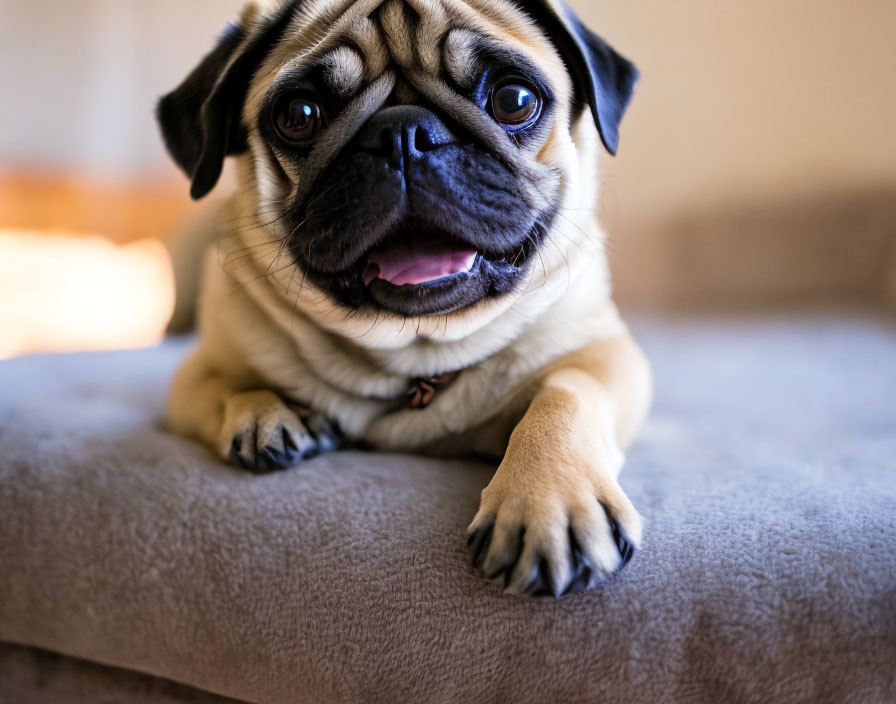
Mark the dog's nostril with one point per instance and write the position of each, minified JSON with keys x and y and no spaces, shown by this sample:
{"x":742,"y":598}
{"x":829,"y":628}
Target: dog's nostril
{"x":386,"y":143}
{"x":423,"y":141}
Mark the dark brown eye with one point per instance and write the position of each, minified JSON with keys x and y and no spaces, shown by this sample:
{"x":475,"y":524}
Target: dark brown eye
{"x":515,"y":103}
{"x":298,"y":119}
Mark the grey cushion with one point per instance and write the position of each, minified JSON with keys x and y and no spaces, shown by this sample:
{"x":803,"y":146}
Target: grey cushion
{"x":29,"y":676}
{"x":767,"y":476}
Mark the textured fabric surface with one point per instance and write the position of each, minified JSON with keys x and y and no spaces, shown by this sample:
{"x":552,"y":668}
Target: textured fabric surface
{"x":767,"y":477}
{"x":30,"y":676}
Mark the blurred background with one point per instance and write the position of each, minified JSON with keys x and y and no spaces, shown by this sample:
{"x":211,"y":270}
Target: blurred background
{"x":757,"y":167}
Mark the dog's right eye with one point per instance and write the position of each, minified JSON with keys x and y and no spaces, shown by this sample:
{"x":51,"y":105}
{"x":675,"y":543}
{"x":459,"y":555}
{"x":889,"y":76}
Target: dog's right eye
{"x":298,"y":118}
{"x":515,"y":104}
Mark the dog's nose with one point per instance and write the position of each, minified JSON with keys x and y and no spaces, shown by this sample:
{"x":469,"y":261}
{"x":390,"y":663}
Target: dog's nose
{"x":404,"y":133}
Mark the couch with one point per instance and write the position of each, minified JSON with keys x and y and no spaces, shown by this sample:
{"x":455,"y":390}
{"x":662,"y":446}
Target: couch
{"x":135,"y":567}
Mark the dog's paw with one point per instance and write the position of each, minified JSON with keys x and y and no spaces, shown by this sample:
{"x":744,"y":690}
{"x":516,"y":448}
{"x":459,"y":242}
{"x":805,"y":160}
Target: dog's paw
{"x":262,"y":434}
{"x":550,"y":541}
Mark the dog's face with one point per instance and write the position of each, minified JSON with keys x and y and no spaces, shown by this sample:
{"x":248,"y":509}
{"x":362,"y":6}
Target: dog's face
{"x":414,"y":155}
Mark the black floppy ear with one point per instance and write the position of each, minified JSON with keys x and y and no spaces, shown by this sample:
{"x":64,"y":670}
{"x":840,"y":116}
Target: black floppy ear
{"x":606,"y":79}
{"x":200,"y":119}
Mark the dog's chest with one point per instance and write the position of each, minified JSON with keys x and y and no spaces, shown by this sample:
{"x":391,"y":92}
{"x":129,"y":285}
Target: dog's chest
{"x":457,"y":411}
{"x":438,"y":414}
{"x":405,"y":412}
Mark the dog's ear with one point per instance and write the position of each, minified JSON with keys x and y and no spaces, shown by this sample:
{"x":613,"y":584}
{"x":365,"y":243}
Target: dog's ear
{"x":201,"y":119}
{"x":606,"y":79}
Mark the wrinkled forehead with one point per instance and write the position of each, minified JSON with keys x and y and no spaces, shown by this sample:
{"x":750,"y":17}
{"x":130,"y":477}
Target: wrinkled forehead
{"x":412,"y":36}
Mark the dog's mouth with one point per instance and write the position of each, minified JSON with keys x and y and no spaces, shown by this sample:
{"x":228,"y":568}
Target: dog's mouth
{"x":418,"y":269}
{"x":412,"y":261}
{"x":422,"y":270}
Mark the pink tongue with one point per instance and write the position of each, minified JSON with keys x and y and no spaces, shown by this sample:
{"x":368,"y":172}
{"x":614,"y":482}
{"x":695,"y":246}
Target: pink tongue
{"x":417,"y":262}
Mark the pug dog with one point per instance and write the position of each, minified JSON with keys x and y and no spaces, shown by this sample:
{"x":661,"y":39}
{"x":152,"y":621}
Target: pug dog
{"x":413,"y":262}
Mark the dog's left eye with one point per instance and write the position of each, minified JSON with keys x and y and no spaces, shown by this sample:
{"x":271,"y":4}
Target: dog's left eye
{"x":298,"y":118}
{"x":515,"y":103}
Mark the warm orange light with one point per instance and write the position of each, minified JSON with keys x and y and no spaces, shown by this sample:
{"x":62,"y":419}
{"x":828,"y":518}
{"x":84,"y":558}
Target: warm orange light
{"x":63,"y":293}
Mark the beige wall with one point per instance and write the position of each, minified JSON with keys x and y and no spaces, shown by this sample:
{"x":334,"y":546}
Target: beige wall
{"x":758,"y":162}
{"x":742,"y":101}
{"x":80,"y":78}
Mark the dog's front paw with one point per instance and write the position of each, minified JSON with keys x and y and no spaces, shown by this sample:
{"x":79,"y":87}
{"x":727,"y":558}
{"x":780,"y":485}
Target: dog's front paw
{"x":262,"y":434}
{"x":543,"y":539}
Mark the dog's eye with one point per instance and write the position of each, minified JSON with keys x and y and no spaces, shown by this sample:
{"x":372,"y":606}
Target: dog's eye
{"x":298,"y":118}
{"x":515,"y":103}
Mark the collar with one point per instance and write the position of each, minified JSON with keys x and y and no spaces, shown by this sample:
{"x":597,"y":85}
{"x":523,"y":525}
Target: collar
{"x":423,"y":391}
